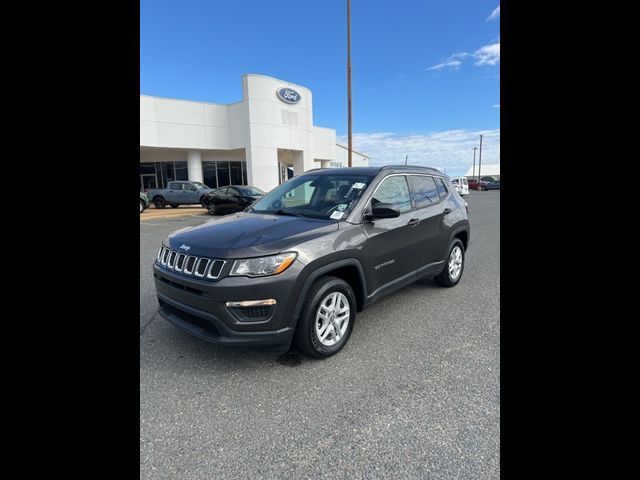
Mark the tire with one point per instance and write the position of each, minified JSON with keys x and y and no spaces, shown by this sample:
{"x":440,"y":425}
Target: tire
{"x":174,"y":205}
{"x":142,"y":206}
{"x":211,"y":208}
{"x":203,"y":202}
{"x":448,"y":277}
{"x":323,"y":294}
{"x":159,"y":202}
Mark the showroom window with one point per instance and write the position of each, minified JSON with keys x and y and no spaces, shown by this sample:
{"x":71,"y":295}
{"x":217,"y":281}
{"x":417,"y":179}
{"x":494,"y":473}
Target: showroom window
{"x":221,"y":173}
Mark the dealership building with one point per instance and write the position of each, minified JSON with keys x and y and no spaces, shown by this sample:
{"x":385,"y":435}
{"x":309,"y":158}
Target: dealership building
{"x":262,"y":140}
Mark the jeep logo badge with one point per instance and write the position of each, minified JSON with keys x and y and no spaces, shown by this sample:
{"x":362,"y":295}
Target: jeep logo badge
{"x":288,"y":95}
{"x":186,"y":248}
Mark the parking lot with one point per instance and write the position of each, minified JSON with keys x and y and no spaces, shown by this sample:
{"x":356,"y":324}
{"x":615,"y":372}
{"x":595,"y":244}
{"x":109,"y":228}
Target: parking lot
{"x":414,"y":394}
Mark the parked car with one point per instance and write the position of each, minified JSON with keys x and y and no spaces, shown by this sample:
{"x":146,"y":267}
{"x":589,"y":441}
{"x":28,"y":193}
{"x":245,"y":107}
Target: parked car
{"x":233,"y":198}
{"x":144,"y":202}
{"x":461,"y":184}
{"x":179,"y":193}
{"x":486,"y":183}
{"x":296,"y":266}
{"x":492,"y":184}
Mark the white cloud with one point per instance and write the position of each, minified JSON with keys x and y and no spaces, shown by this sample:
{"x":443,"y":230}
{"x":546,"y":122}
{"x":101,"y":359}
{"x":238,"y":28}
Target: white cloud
{"x":453,"y":62}
{"x":495,"y":14}
{"x":450,"y":149}
{"x":497,"y":105}
{"x":488,"y":55}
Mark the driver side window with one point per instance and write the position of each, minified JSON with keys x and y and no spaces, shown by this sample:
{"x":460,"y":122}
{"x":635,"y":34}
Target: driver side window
{"x":394,"y":190}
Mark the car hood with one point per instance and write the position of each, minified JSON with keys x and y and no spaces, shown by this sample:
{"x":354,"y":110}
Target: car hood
{"x":248,"y":235}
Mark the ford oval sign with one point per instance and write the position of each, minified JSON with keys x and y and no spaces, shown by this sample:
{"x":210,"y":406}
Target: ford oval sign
{"x":288,"y":95}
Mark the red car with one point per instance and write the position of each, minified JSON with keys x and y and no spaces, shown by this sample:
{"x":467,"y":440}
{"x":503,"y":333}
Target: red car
{"x":486,"y":183}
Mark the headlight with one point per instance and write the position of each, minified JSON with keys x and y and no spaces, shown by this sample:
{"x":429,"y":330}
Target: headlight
{"x":261,"y":267}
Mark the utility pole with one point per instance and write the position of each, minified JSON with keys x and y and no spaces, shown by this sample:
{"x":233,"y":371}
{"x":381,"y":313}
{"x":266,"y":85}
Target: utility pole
{"x":480,"y":164}
{"x":349,"y":74}
{"x":474,"y":162}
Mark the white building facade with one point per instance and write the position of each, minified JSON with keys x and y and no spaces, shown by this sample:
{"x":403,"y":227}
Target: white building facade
{"x":261,"y":140}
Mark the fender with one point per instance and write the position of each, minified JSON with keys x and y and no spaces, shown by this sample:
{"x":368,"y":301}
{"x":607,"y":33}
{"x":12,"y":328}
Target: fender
{"x":462,"y":227}
{"x":346,"y":262}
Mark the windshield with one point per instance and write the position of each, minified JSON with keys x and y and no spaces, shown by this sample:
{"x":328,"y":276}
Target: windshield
{"x":199,"y":185}
{"x":251,"y":191}
{"x":327,"y":196}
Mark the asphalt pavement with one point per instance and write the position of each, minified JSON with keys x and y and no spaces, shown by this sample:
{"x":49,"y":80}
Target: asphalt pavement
{"x":414,"y":394}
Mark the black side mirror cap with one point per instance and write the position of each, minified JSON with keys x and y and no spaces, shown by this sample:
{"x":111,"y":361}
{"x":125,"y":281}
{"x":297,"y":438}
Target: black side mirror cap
{"x":382,"y":210}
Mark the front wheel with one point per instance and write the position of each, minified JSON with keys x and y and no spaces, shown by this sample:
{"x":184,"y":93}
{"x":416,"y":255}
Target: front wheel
{"x":452,"y":272}
{"x":327,"y":318}
{"x":142,"y":206}
{"x":211,"y":208}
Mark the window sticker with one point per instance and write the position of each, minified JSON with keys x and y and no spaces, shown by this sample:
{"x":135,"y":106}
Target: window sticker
{"x":358,"y":185}
{"x":342,"y":207}
{"x":337,"y":215}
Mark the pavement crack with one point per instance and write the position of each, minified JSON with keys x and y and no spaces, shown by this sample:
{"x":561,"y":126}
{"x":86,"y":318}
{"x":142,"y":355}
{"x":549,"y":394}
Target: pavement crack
{"x":144,"y":328}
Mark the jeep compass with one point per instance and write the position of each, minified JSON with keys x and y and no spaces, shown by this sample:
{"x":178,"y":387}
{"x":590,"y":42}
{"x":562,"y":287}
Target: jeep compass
{"x":296,"y":266}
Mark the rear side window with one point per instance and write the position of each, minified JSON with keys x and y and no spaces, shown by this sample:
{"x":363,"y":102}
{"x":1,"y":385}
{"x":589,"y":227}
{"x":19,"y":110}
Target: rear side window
{"x":425,"y":191}
{"x":394,"y":190}
{"x":442,"y":188}
{"x":175,"y":186}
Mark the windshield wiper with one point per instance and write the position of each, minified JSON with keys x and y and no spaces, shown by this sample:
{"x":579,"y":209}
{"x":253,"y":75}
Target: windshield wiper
{"x":293,"y":214}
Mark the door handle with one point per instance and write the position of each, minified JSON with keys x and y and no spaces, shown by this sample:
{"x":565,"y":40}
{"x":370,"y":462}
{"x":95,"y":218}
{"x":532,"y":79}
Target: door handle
{"x":447,"y":211}
{"x":413,"y":222}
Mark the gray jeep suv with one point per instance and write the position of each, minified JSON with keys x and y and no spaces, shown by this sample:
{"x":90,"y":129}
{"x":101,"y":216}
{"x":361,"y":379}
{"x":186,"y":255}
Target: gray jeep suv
{"x":297,"y":265}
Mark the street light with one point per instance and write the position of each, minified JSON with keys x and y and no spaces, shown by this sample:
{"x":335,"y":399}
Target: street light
{"x":473,"y":174}
{"x":480,"y":164}
{"x":349,"y":74}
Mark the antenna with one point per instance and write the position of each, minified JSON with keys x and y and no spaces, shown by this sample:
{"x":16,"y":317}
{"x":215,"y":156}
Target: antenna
{"x":405,"y":159}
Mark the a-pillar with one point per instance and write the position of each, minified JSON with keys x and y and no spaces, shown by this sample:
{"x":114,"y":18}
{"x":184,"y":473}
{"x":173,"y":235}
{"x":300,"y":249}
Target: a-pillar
{"x":194,"y":165}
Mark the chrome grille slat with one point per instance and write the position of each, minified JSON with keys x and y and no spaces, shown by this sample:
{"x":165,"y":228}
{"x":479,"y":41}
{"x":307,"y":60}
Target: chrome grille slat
{"x":215,"y":263}
{"x":186,"y":265}
{"x":180,"y":262}
{"x":204,"y":270}
{"x":171,"y":263}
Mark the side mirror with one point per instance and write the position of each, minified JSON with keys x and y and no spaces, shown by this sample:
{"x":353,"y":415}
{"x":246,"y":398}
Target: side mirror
{"x":382,"y":210}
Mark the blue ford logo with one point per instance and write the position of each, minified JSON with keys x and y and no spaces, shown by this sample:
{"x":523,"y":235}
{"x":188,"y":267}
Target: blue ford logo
{"x":288,"y":95}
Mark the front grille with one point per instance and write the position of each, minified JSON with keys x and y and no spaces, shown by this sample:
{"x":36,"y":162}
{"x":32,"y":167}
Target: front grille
{"x":190,"y":265}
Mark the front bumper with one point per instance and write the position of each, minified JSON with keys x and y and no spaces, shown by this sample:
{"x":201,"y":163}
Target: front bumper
{"x":199,"y":307}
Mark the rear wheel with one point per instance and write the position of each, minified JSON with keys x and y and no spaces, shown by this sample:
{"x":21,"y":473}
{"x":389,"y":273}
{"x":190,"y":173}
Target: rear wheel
{"x":327,"y":318}
{"x":142,"y":206}
{"x":454,"y":266}
{"x":159,"y":202}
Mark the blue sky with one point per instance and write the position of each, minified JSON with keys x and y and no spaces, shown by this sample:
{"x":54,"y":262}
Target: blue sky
{"x":426,"y":73}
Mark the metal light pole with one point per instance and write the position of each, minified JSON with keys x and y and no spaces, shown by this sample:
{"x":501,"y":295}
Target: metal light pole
{"x":480,"y":164}
{"x":349,"y":74}
{"x":474,"y":162}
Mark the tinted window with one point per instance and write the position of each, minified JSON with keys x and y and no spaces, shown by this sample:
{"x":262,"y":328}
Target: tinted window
{"x":424,"y":189}
{"x":233,"y":191}
{"x":442,"y":188}
{"x":394,"y":190}
{"x":175,"y":186}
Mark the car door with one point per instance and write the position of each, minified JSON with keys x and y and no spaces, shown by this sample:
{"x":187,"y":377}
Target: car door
{"x":428,"y":194}
{"x":235,"y":200}
{"x":190,"y":193}
{"x":221,"y":198}
{"x":174,"y":190}
{"x":392,"y":243}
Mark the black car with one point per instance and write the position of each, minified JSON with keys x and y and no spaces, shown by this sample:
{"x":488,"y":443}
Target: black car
{"x":233,"y":198}
{"x":299,"y":263}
